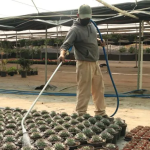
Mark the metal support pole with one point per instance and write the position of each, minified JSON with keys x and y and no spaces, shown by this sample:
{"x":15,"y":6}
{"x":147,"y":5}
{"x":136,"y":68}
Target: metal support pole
{"x":57,"y":37}
{"x":46,"y":57}
{"x":139,"y":58}
{"x":16,"y":49}
{"x":107,"y":41}
{"x":141,"y":62}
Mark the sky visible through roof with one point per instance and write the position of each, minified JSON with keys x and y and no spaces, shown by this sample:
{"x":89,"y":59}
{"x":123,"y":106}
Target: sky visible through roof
{"x":21,"y":7}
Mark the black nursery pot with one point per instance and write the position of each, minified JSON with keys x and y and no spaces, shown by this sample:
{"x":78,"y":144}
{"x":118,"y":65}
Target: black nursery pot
{"x":35,"y":72}
{"x":23,"y":74}
{"x":32,"y":72}
{"x":114,"y":141}
{"x":3,"y":73}
{"x":74,"y":147}
{"x":123,"y":131}
{"x":109,"y":140}
{"x":11,"y":73}
{"x":28,"y":73}
{"x":98,"y":144}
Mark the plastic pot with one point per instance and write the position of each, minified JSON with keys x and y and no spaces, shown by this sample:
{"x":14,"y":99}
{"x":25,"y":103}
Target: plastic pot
{"x":11,"y":73}
{"x":97,"y":144}
{"x":123,"y":131}
{"x":28,"y":73}
{"x":23,"y":74}
{"x":3,"y":73}
{"x":74,"y":147}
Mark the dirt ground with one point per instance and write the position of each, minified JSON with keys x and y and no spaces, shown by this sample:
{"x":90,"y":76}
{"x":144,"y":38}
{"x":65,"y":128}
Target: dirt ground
{"x":134,"y":110}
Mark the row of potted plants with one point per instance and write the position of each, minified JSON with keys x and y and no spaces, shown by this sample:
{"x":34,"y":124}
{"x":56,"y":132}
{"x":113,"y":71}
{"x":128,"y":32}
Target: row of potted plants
{"x":49,"y":62}
{"x":137,"y":144}
{"x":13,"y":70}
{"x":139,"y":132}
{"x":57,"y":128}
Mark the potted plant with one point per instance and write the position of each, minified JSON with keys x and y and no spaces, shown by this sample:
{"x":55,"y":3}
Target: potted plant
{"x":41,"y":143}
{"x":74,"y":130}
{"x":33,"y":130}
{"x":60,"y":146}
{"x":25,"y":65}
{"x":80,"y":119}
{"x":98,"y":117}
{"x":114,"y":133}
{"x":66,"y":125}
{"x":71,"y":143}
{"x":3,"y":71}
{"x":49,"y":132}
{"x":11,"y":71}
{"x":121,"y":123}
{"x":57,"y":117}
{"x":11,"y":126}
{"x":36,"y":135}
{"x":81,"y":137}
{"x":80,"y":126}
{"x":64,"y":134}
{"x":9,"y":132}
{"x":73,"y":122}
{"x":86,"y":116}
{"x":85,"y":147}
{"x":67,"y":118}
{"x":36,"y":114}
{"x":53,"y":113}
{"x":45,"y":116}
{"x":48,"y":148}
{"x":54,"y":138}
{"x":107,"y":136}
{"x":100,"y":125}
{"x":58,"y":128}
{"x":63,"y":114}
{"x":43,"y":127}
{"x":86,"y":123}
{"x":60,"y":121}
{"x":28,"y":148}
{"x":40,"y":122}
{"x":9,"y":146}
{"x":106,"y":121}
{"x":74,"y":115}
{"x":48,"y":120}
{"x":88,"y":132}
{"x":96,"y":129}
{"x":92,"y":120}
{"x":96,"y":141}
{"x":35,"y":71}
{"x":43,"y":112}
{"x":9,"y":138}
{"x":111,"y":147}
{"x":117,"y":128}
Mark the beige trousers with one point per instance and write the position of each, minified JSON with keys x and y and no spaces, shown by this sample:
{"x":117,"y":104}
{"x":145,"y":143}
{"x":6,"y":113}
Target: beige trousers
{"x":89,"y":80}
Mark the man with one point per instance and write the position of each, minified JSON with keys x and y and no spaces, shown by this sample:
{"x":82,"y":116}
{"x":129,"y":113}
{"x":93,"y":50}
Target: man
{"x":83,"y":36}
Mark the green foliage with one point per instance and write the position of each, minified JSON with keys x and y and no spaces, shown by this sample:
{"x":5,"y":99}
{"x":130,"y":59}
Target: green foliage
{"x":132,"y":50}
{"x":131,"y":37}
{"x":147,"y":50}
{"x":54,"y":138}
{"x":11,"y":69}
{"x":81,"y":137}
{"x":96,"y":138}
{"x":122,"y":50}
{"x":70,"y":142}
{"x":24,"y":63}
{"x":41,"y":143}
{"x":59,"y":146}
{"x":9,"y":146}
{"x":116,"y":37}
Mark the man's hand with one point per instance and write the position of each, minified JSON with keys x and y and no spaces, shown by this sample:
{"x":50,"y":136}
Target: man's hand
{"x":62,"y":56}
{"x":101,"y":43}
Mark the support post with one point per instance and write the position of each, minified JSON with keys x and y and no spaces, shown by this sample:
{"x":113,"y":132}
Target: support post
{"x":46,"y":57}
{"x":141,"y":62}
